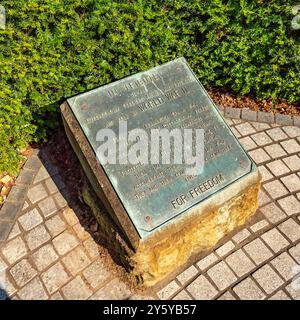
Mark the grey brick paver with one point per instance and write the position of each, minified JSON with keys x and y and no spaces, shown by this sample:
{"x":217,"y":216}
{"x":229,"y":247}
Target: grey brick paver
{"x":187,"y":275}
{"x":268,"y":279}
{"x":47,"y":245}
{"x":76,"y":290}
{"x":248,"y":290}
{"x":96,"y":273}
{"x":55,"y":277}
{"x":275,"y":240}
{"x":202,"y":289}
{"x":221,"y":275}
{"x":37,"y":193}
{"x":258,"y":251}
{"x":240,"y":263}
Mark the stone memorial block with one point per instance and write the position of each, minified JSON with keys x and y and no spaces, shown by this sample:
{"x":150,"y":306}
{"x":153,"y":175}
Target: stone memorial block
{"x":157,"y":216}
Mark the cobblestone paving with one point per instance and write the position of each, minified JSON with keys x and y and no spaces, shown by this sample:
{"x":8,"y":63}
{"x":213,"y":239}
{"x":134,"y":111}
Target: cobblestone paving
{"x":49,"y":255}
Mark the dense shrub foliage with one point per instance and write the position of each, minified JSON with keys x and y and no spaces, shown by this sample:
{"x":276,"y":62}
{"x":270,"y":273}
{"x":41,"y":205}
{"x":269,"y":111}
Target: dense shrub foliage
{"x":56,"y":48}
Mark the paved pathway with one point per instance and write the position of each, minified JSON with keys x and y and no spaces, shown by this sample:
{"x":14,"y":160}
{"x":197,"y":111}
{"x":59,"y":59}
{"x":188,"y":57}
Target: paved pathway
{"x":45,"y":252}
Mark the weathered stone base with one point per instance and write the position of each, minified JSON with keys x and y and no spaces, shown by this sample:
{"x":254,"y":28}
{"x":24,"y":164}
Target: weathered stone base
{"x":197,"y":230}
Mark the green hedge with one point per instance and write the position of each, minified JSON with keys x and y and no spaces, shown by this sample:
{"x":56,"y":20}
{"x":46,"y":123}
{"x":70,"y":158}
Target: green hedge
{"x":56,"y":48}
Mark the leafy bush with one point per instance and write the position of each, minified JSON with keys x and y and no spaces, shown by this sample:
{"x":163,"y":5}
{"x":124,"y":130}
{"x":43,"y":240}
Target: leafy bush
{"x":52,"y":49}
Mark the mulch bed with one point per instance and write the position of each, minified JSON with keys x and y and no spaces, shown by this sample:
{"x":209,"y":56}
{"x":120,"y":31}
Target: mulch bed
{"x":226,"y":98}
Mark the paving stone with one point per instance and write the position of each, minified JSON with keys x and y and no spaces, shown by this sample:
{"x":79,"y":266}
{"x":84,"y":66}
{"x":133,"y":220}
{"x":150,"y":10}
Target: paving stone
{"x":261,"y":138}
{"x":240,"y":263}
{"x":146,"y":297}
{"x":265,"y":117}
{"x":70,"y":217}
{"x":260,"y":126}
{"x":293,"y":162}
{"x":221,"y":275}
{"x":275,"y":240}
{"x":114,"y":290}
{"x":54,"y":278}
{"x":65,"y":242}
{"x":245,"y":128}
{"x":9,"y":211}
{"x":290,"y":229}
{"x":5,"y":228}
{"x":33,"y":291}
{"x":56,"y":296}
{"x":9,"y":288}
{"x":187,"y":275}
{"x":55,"y":225}
{"x":233,"y":112}
{"x":182,"y":295}
{"x":292,"y":131}
{"x":248,"y":290}
{"x":60,"y":200}
{"x":296,"y":121}
{"x":44,"y":257}
{"x":81,"y":233}
{"x":248,"y":114}
{"x":277,"y":134}
{"x":33,"y":163}
{"x":22,"y":272}
{"x":238,"y":121}
{"x":37,"y":237}
{"x":291,"y":146}
{"x":259,"y":225}
{"x":51,"y":186}
{"x":30,"y":219}
{"x":169,"y":290}
{"x":286,"y":266}
{"x":25,"y":177}
{"x":96,"y":273}
{"x":225,"y":248}
{"x":229,"y":121}
{"x":283,"y":119}
{"x":295,"y":252}
{"x":275,"y":151}
{"x":241,"y":236}
{"x":41,"y":175}
{"x":14,"y":250}
{"x":3,"y":265}
{"x":290,"y":205}
{"x":207,"y":261}
{"x":76,"y":290}
{"x":279,"y":295}
{"x":259,"y":155}
{"x":292,"y":182}
{"x":272,"y":212}
{"x":294,"y":288}
{"x":275,"y":189}
{"x":226,"y":296}
{"x":248,"y":143}
{"x":25,"y":206}
{"x":18,"y":193}
{"x":91,"y":248}
{"x":235,"y":132}
{"x":37,"y":193}
{"x":268,"y":279}
{"x":15,"y":231}
{"x":47,"y":207}
{"x":265,"y":173}
{"x":263,"y":198}
{"x":76,"y":260}
{"x":278,"y":168}
{"x":258,"y":251}
{"x":202,"y":289}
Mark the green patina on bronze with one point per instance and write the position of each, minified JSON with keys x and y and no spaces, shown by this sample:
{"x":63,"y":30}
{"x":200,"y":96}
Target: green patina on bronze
{"x":169,"y":96}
